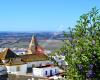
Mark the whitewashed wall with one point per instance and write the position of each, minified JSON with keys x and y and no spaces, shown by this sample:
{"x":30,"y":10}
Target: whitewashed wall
{"x":48,"y":71}
{"x":40,"y":72}
{"x":37,"y":72}
{"x":20,"y":53}
{"x":13,"y":69}
{"x":38,"y":63}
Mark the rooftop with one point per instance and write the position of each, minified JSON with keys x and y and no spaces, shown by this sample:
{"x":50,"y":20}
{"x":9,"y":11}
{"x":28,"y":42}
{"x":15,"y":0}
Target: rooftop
{"x":7,"y":53}
{"x":34,"y":57}
{"x":15,"y":61}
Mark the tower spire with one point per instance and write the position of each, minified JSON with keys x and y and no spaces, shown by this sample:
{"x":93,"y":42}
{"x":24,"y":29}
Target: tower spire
{"x":33,"y":45}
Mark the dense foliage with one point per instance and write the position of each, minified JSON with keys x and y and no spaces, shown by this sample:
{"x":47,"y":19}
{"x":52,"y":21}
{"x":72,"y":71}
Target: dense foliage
{"x":82,"y":48}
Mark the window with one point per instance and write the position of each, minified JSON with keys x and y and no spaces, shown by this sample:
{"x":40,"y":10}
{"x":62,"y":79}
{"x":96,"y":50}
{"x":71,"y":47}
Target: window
{"x":33,"y":65}
{"x":41,"y":65}
{"x":18,"y":68}
{"x":55,"y":71}
{"x":46,"y":72}
{"x":51,"y":73}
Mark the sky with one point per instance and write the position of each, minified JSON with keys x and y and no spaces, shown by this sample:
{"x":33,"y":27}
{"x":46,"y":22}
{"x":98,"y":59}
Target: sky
{"x":42,"y":15}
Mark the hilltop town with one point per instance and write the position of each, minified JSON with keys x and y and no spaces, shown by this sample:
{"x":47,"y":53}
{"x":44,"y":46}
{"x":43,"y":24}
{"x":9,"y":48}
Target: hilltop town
{"x":31,"y":63}
{"x":49,"y":39}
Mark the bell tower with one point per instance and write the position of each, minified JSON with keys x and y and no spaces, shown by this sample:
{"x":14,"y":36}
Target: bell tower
{"x":33,"y":45}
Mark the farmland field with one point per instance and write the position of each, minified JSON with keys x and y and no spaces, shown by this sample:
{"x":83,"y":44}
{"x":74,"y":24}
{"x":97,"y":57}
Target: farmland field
{"x":22,"y":40}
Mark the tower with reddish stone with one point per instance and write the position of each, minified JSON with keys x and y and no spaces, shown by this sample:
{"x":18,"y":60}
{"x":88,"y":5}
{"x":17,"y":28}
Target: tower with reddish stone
{"x":34,"y":47}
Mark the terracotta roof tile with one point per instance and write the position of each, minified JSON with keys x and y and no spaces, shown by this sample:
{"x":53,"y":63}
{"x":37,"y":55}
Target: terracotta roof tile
{"x":34,"y":57}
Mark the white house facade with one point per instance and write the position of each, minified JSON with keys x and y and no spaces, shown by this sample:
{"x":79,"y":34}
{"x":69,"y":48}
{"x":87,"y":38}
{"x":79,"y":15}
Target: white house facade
{"x":45,"y":71}
{"x":37,"y":63}
{"x":17,"y":69}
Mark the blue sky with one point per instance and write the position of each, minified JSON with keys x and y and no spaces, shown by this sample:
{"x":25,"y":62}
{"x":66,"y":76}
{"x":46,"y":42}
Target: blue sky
{"x":42,"y":15}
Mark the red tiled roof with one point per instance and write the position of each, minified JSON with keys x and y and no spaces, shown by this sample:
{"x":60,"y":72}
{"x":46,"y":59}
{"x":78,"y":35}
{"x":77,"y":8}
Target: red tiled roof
{"x":34,"y":57}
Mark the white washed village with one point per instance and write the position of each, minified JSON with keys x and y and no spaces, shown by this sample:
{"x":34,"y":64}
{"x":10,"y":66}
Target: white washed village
{"x":33,"y":61}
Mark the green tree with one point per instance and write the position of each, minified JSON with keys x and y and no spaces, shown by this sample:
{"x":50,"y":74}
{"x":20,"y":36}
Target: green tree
{"x":82,"y":48}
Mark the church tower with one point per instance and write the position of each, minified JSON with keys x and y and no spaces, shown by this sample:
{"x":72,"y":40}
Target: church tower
{"x":34,"y":47}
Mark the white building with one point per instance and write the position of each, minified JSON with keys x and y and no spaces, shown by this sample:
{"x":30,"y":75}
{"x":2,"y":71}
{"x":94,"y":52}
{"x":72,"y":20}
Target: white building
{"x":48,"y":71}
{"x":47,"y":52}
{"x":20,"y":52}
{"x":35,"y":60}
{"x":16,"y":66}
{"x":61,"y":60}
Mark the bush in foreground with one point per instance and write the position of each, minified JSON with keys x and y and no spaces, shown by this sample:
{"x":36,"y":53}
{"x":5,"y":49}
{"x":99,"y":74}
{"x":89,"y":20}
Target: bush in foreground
{"x":82,"y":48}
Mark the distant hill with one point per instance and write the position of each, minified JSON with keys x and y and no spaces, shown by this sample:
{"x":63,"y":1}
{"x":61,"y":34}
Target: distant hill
{"x":39,"y":35}
{"x":22,"y":39}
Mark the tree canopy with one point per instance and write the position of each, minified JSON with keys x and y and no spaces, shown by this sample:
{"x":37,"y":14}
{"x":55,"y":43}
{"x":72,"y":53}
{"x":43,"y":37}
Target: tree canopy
{"x":82,"y":48}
